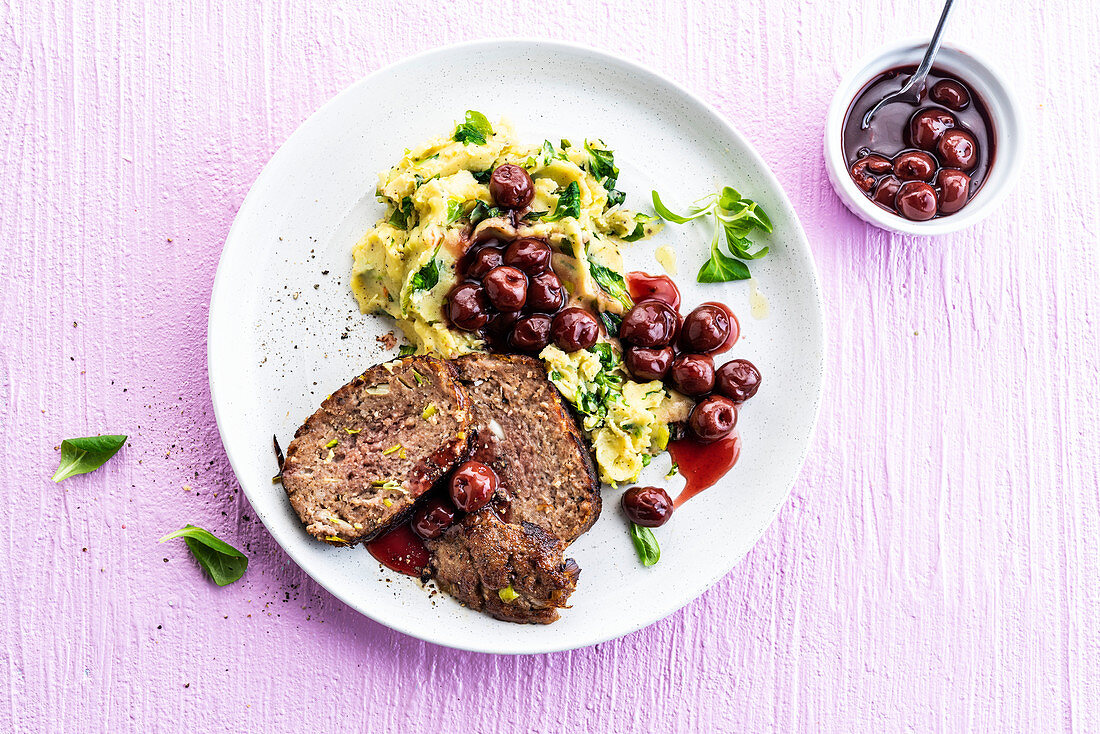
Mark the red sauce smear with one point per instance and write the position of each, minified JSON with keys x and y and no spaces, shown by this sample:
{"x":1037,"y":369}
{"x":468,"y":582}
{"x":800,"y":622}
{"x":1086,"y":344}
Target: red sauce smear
{"x":400,"y":550}
{"x":735,"y":327}
{"x":703,"y":464}
{"x":643,"y":286}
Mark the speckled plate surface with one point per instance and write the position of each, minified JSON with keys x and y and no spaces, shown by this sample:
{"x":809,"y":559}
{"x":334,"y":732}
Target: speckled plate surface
{"x":285,"y":331}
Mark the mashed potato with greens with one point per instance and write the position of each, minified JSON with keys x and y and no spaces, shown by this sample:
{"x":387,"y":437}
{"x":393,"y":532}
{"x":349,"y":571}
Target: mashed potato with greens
{"x":438,"y":202}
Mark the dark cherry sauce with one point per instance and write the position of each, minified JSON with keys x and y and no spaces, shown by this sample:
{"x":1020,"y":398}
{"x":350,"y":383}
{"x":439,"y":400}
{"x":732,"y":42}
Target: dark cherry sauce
{"x":701,"y":464}
{"x":658,"y":287}
{"x":735,"y":328}
{"x":885,"y":157}
{"x":400,"y":550}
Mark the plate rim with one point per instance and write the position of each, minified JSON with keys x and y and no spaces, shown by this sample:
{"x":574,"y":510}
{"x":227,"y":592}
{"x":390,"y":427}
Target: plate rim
{"x":547,"y":46}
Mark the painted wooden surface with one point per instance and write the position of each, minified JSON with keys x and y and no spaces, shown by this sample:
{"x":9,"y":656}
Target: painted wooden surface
{"x":937,"y":567}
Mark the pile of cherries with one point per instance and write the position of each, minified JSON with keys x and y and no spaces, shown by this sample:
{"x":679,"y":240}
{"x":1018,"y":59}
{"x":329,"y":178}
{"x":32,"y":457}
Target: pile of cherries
{"x":933,"y":177}
{"x":659,"y":345}
{"x":470,"y":488}
{"x":509,"y":293}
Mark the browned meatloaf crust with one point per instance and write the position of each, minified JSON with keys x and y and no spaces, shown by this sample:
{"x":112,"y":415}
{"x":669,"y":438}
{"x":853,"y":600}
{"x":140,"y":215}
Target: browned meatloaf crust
{"x":480,"y":556}
{"x":524,"y":430}
{"x":358,"y":464}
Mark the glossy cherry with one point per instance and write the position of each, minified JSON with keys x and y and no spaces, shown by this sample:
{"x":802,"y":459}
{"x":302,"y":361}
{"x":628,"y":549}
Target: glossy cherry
{"x":649,"y":507}
{"x":506,"y":288}
{"x":713,"y":418}
{"x":467,"y":306}
{"x":472,"y":486}
{"x":738,"y":380}
{"x":705,"y":329}
{"x":433,"y":517}
{"x":646,"y":363}
{"x":530,"y":255}
{"x":916,"y":200}
{"x":511,"y":187}
{"x":574,"y":329}
{"x":531,"y":333}
{"x":650,"y":324}
{"x":692,"y":374}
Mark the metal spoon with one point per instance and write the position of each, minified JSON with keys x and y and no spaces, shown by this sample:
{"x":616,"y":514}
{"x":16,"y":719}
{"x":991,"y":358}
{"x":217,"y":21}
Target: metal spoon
{"x":912,"y":89}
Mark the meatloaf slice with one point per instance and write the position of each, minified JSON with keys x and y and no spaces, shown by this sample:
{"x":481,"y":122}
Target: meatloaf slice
{"x":358,"y":464}
{"x":527,"y":434}
{"x":512,"y":572}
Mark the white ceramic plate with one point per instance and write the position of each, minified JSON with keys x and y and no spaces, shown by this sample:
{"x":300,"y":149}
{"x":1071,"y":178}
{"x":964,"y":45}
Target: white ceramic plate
{"x":285,"y":331}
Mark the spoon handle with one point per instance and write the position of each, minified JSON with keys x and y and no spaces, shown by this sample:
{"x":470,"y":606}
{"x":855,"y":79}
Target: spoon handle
{"x":910,"y":91}
{"x":917,"y":81}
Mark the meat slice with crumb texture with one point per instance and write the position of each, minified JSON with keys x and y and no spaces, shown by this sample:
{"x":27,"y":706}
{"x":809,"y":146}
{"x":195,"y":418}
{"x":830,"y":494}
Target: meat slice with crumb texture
{"x":514,"y":572}
{"x":357,"y":466}
{"x":527,"y":434}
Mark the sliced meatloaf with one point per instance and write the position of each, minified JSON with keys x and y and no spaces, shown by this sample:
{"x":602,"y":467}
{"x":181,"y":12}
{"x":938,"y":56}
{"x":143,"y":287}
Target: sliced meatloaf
{"x":358,"y":464}
{"x":525,"y":431}
{"x":514,"y":572}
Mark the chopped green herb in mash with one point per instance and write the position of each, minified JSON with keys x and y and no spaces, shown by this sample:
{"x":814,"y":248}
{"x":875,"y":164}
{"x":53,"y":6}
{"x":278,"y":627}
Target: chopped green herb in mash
{"x":475,"y":130}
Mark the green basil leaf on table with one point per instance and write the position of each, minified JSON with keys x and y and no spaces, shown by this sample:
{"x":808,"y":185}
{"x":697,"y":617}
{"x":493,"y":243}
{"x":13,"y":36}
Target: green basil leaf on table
{"x":224,"y":563}
{"x":83,"y":455}
{"x":645,"y":543}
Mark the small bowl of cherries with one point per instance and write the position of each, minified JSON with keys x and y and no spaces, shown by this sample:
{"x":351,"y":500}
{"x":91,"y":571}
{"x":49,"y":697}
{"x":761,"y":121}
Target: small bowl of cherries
{"x":928,"y":168}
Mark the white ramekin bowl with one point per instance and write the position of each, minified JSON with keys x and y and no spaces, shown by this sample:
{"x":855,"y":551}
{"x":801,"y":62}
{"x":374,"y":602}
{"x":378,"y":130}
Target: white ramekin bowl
{"x":1007,"y":131}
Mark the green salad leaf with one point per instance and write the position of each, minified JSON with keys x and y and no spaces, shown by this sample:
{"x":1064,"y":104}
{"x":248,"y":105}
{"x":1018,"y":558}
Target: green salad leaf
{"x":83,"y":455}
{"x":735,"y":218}
{"x":645,"y":543}
{"x":475,"y":130}
{"x":611,"y":282}
{"x":482,"y":177}
{"x":721,"y":268}
{"x":569,"y":203}
{"x":223,"y":562}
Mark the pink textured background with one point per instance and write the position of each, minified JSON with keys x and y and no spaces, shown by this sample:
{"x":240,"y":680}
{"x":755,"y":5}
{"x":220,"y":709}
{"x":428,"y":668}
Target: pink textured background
{"x":937,"y":567}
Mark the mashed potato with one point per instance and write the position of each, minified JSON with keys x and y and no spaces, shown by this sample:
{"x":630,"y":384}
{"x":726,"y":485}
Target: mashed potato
{"x":438,"y":202}
{"x":438,"y":198}
{"x":626,"y":420}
